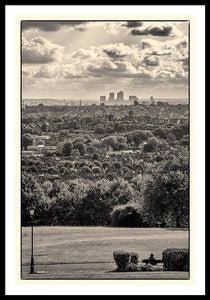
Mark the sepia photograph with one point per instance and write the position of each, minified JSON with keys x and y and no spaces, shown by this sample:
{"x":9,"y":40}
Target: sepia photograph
{"x":105,"y":149}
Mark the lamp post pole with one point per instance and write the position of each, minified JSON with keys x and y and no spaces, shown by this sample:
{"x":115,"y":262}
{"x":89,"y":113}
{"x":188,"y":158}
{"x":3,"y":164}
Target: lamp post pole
{"x":32,"y":243}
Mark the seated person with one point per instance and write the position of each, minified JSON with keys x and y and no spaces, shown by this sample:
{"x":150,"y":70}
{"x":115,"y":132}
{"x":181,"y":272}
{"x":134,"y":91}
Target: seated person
{"x":152,"y":260}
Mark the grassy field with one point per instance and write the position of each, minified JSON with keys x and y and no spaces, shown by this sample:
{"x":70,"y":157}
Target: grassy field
{"x":94,"y":246}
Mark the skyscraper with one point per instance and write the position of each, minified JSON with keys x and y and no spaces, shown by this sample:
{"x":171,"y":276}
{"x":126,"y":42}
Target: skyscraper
{"x":102,"y":99}
{"x":120,"y":95}
{"x":111,"y":96}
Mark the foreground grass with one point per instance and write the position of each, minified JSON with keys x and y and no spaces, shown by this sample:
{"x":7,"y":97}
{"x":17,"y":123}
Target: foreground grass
{"x":80,"y":245}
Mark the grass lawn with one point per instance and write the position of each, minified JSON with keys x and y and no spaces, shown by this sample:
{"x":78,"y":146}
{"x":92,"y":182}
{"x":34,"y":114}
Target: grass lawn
{"x":95,"y":246}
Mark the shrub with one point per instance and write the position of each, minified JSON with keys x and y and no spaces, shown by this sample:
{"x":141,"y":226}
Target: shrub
{"x":126,"y":215}
{"x":109,"y":129}
{"x":80,"y":147}
{"x":117,"y":165}
{"x":147,"y":267}
{"x":91,"y":149}
{"x":148,"y":148}
{"x":99,"y":130}
{"x":52,"y":170}
{"x":138,"y":136}
{"x":132,"y":267}
{"x":86,"y":170}
{"x":150,"y":267}
{"x":160,"y":132}
{"x":79,"y":140}
{"x":66,"y":149}
{"x":96,"y":170}
{"x":96,"y":156}
{"x":106,"y":165}
{"x":125,"y":261}
{"x":63,"y":170}
{"x":121,"y":147}
{"x":67,"y":164}
{"x":109,"y":176}
{"x":176,"y":259}
{"x":159,"y":158}
{"x":97,"y":163}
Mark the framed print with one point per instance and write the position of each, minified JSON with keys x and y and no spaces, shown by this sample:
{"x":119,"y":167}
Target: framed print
{"x":105,"y":148}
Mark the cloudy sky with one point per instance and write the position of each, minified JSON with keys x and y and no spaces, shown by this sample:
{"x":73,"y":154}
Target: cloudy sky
{"x":83,"y":60}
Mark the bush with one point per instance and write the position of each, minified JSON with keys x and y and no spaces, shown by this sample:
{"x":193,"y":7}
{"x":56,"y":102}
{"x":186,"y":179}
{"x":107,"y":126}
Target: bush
{"x":132,"y":267}
{"x":126,"y":216}
{"x":66,"y":149}
{"x":80,"y":147}
{"x":148,"y":148}
{"x":150,"y":267}
{"x":86,"y":170}
{"x":125,"y":261}
{"x":121,"y":147}
{"x":109,"y":129}
{"x":96,"y":170}
{"x":96,"y":156}
{"x":160,"y":132}
{"x":176,"y":259}
{"x":99,"y":130}
{"x":159,"y":158}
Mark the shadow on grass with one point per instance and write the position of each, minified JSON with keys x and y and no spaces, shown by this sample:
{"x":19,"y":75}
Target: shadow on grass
{"x":177,"y":229}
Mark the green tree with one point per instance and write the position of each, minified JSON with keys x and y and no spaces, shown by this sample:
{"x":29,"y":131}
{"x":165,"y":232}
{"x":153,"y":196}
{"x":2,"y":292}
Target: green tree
{"x":63,"y":208}
{"x":138,"y":136}
{"x":109,"y":129}
{"x":66,"y":149}
{"x":160,"y":132}
{"x":153,"y":141}
{"x":27,"y":140}
{"x":32,"y":195}
{"x":136,"y":103}
{"x":81,"y":147}
{"x":110,"y":141}
{"x":127,"y":215}
{"x":148,"y":148}
{"x":99,"y":129}
{"x":167,"y":198}
{"x":95,"y":207}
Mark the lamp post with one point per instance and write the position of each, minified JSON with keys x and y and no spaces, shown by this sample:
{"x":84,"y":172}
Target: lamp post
{"x":32,"y":241}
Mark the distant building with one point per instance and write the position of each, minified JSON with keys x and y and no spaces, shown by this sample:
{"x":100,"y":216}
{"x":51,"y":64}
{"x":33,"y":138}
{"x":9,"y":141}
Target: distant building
{"x":102,"y":99}
{"x":152,"y":100}
{"x":23,"y":105}
{"x":133,"y":98}
{"x":120,"y":95}
{"x":111,"y":96}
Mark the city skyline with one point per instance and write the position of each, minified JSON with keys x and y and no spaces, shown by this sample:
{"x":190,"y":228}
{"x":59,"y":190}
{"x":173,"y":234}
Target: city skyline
{"x":80,"y":59}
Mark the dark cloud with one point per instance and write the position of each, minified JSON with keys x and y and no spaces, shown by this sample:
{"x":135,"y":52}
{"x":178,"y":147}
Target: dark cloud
{"x":30,"y":57}
{"x":70,"y":76}
{"x":151,"y":61}
{"x":40,"y":51}
{"x":113,"y":54}
{"x":133,"y":24}
{"x":161,"y":53}
{"x":155,"y":31}
{"x":51,"y":25}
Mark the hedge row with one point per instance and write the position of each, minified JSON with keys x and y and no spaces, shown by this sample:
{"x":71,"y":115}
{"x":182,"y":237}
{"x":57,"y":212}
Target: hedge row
{"x":175,"y":259}
{"x":126,"y":261}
